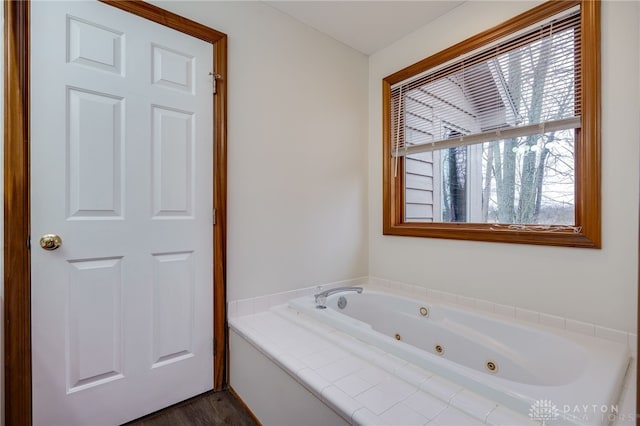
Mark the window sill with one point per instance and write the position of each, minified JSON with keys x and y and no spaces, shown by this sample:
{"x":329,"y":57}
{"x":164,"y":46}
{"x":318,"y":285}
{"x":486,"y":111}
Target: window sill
{"x":555,"y":236}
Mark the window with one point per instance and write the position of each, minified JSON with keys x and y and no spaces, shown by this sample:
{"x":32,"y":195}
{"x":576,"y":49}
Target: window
{"x":497,"y":137}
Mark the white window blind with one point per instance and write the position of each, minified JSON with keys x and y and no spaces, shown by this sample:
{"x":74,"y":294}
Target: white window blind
{"x":523,"y":85}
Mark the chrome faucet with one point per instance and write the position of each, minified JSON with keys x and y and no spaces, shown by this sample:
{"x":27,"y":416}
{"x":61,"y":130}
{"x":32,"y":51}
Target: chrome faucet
{"x":321,"y":298}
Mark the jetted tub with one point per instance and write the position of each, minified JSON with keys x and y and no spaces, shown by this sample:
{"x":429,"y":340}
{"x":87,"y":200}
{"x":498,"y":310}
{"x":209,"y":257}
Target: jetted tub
{"x":566,"y":376}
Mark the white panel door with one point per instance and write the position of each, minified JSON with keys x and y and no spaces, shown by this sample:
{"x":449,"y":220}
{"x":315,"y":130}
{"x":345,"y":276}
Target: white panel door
{"x":121,"y":170}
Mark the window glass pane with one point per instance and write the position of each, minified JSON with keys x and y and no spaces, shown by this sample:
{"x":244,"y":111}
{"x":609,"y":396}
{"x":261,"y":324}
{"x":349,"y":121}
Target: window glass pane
{"x":497,"y":138}
{"x":524,"y":180}
{"x":528,"y":180}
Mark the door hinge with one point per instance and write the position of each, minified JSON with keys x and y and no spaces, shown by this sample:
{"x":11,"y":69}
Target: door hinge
{"x":213,"y":216}
{"x":28,"y":242}
{"x":214,"y":81}
{"x":213,"y":347}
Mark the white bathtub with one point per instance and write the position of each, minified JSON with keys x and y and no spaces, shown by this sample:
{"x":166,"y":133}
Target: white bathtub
{"x":517,"y":364}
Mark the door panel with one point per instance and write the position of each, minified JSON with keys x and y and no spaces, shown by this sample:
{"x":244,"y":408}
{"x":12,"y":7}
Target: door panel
{"x":173,"y":292}
{"x":95,"y":150}
{"x":173,"y":168}
{"x":94,"y":45}
{"x":94,"y":323}
{"x":121,"y":161}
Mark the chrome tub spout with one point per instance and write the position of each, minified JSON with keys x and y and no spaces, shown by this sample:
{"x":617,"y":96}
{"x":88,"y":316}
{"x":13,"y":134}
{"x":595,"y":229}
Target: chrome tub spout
{"x":321,"y":298}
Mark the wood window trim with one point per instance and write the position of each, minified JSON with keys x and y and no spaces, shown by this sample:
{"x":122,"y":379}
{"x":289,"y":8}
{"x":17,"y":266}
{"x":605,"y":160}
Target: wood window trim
{"x":17,"y":284}
{"x":588,"y":175}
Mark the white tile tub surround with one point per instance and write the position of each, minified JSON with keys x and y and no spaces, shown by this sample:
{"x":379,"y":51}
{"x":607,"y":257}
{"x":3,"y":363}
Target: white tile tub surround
{"x":361,"y":383}
{"x":380,"y":363}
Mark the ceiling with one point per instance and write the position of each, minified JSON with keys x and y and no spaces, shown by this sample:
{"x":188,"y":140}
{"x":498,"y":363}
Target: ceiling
{"x":367,"y":26}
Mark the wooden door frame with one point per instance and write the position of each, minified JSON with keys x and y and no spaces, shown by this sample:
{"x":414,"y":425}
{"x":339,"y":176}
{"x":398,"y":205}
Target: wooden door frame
{"x":17,"y":283}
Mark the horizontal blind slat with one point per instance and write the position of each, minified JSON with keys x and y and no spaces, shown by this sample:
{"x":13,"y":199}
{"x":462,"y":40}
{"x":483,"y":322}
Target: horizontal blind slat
{"x":494,"y":135}
{"x":513,"y":86}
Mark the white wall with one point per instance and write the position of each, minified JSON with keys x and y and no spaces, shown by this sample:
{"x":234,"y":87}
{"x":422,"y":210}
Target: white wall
{"x":598,"y":286}
{"x":297,"y":150}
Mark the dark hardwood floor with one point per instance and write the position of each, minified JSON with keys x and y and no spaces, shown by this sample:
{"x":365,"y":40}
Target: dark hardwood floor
{"x":211,"y":408}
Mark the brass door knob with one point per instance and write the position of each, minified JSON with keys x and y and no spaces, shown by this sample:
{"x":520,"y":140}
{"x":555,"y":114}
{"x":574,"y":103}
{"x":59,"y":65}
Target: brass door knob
{"x":50,"y":242}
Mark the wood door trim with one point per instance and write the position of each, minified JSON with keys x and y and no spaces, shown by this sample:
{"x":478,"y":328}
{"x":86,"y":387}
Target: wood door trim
{"x":220,"y":328}
{"x":17,"y":283}
{"x":17,"y":289}
{"x":168,"y":19}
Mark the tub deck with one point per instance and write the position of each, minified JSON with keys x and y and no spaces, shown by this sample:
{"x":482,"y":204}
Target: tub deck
{"x":361,"y":383}
{"x":366,"y":385}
